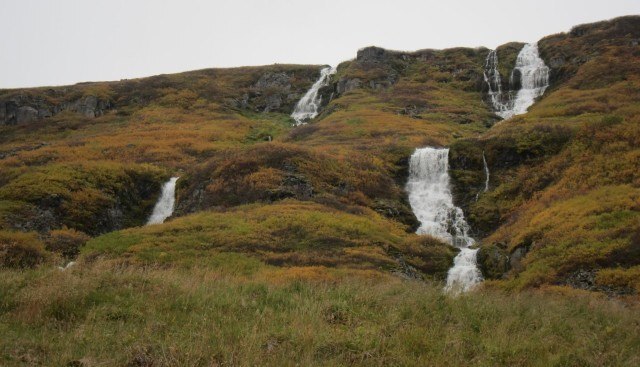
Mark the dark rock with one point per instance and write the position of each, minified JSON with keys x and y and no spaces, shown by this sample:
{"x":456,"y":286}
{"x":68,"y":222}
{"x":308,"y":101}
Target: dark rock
{"x":413,"y":111}
{"x":272,"y":103}
{"x":298,"y":185}
{"x":20,"y":109}
{"x":586,"y":279}
{"x":273,"y":80}
{"x":327,"y":93}
{"x":345,"y":85}
{"x":493,"y":261}
{"x":515,"y":81}
{"x":516,"y":256}
{"x":407,"y":271}
{"x":272,"y":92}
{"x":556,"y":62}
{"x":371,"y":54}
{"x":582,"y":279}
{"x":398,"y":211}
{"x":26,"y":114}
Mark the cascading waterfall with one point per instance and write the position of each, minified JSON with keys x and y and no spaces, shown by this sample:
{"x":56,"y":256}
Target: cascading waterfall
{"x":534,"y":80}
{"x":165,"y":204}
{"x":307,"y":107}
{"x":431,"y":201}
{"x":494,"y":83}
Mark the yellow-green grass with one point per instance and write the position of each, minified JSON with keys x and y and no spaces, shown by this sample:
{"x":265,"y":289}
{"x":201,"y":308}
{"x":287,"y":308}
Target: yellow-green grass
{"x":240,"y":312}
{"x":287,"y":233}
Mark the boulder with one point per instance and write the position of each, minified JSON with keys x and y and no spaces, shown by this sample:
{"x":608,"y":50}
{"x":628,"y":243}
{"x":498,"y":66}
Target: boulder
{"x":493,"y":261}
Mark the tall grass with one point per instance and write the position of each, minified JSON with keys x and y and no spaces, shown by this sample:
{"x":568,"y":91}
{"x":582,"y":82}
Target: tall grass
{"x":108,"y":314}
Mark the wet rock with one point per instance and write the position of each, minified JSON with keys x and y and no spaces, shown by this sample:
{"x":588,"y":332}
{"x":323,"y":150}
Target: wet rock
{"x":397,"y":211}
{"x":493,"y":261}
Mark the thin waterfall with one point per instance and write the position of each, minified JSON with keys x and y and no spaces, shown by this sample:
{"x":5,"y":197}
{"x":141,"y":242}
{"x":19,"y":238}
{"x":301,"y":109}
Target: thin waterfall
{"x":486,"y":173}
{"x":494,"y":83}
{"x":165,"y":204}
{"x":307,"y":107}
{"x":534,"y":80}
{"x":431,"y":200}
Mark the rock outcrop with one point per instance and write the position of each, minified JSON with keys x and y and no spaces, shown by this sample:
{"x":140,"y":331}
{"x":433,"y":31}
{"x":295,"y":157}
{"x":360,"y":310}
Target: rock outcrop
{"x":20,"y":108}
{"x":276,"y":91}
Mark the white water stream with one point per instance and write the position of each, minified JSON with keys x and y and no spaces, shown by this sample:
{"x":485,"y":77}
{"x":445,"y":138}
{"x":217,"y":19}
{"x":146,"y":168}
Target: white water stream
{"x":486,"y":172}
{"x":534,"y":80}
{"x":307,"y":107}
{"x":431,"y":201}
{"x":166,"y":202}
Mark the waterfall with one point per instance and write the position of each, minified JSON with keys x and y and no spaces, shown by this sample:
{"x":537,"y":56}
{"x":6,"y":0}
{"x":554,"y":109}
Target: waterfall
{"x":165,"y":204}
{"x":431,"y":201}
{"x":486,"y":173}
{"x":534,"y":80}
{"x":494,"y":82}
{"x":307,"y":107}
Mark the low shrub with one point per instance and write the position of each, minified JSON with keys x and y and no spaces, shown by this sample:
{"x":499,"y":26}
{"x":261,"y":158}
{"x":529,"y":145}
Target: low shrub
{"x":21,"y":250}
{"x":66,"y":242}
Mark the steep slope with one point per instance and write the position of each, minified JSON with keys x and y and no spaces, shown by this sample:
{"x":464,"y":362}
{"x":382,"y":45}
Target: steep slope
{"x":296,"y":245}
{"x":229,"y":136}
{"x":565,"y":176}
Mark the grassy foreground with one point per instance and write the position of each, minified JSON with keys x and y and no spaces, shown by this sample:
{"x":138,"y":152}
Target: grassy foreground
{"x":241,"y":312}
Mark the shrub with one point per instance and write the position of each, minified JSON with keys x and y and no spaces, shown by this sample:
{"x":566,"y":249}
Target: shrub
{"x":66,"y":242}
{"x":20,"y":250}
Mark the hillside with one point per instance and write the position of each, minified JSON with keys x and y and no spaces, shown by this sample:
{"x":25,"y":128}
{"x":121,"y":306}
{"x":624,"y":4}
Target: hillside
{"x":297,"y":243}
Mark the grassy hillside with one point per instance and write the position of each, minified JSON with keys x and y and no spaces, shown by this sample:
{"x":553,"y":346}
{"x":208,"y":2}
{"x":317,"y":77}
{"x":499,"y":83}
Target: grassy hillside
{"x":565,"y":187}
{"x":238,"y":311}
{"x":296,"y":245}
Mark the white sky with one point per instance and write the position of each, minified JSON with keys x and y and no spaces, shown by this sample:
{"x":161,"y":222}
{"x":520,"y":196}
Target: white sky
{"x":55,"y":42}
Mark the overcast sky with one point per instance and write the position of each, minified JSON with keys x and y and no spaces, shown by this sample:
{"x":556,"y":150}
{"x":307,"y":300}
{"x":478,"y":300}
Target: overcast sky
{"x":47,"y":42}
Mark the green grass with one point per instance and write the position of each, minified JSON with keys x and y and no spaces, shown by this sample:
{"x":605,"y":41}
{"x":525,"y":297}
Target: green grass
{"x":288,"y":233}
{"x":101,"y":313}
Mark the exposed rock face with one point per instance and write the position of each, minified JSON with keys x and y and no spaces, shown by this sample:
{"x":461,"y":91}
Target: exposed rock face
{"x":275,"y":92}
{"x":371,"y":54}
{"x":21,"y":109}
{"x":345,"y":85}
{"x":26,"y":114}
{"x":398,"y":211}
{"x":586,"y":279}
{"x":273,"y":80}
{"x":564,"y":53}
{"x":493,"y":261}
